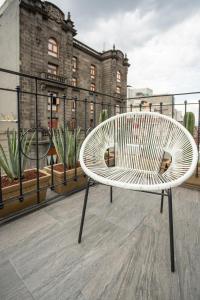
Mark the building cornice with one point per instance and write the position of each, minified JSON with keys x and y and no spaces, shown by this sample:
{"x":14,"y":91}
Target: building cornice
{"x":81,"y":46}
{"x":102,"y":56}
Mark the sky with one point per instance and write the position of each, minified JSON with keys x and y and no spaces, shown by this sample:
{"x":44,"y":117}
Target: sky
{"x":161,"y":38}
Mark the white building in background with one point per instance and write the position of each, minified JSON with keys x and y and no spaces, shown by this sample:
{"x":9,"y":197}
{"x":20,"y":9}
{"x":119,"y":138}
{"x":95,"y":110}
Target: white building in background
{"x":131,"y":93}
{"x":155,"y":100}
{"x":139,"y":92}
{"x":178,"y":115}
{"x":149,"y":99}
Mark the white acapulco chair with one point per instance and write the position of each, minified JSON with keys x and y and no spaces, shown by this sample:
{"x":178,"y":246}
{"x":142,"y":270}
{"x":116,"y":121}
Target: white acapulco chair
{"x":140,"y":140}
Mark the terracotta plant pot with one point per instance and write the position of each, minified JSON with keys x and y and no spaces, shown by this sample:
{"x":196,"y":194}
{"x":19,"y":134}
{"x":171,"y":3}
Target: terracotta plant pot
{"x":71,"y":185}
{"x":29,"y":186}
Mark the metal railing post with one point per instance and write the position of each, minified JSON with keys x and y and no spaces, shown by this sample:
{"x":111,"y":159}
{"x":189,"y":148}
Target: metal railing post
{"x":75,"y":139}
{"x":85,"y":121}
{"x":37,"y":140}
{"x":161,"y":108}
{"x":21,"y":197}
{"x":94,"y":109}
{"x":51,"y":141}
{"x":172,"y":107}
{"x":1,"y":195}
{"x":64,"y":132}
{"x":185,"y":104}
{"x":198,"y":140}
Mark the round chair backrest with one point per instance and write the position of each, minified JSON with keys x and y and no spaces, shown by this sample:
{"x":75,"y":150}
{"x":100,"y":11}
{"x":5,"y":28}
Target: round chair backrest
{"x":140,"y":140}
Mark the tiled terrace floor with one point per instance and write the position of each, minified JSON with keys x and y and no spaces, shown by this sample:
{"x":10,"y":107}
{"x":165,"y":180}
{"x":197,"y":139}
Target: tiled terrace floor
{"x":124,"y":253}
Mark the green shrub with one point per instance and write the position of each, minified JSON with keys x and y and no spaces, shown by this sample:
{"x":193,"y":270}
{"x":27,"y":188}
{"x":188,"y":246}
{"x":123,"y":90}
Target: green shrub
{"x":71,"y":137}
{"x":103,"y":115}
{"x":10,"y":162}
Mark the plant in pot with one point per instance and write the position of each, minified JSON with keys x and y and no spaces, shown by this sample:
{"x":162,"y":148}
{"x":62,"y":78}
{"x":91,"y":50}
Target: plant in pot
{"x":10,"y":179}
{"x":67,"y":144}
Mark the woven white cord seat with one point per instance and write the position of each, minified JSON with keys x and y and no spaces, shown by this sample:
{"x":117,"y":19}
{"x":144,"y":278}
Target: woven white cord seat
{"x":140,"y":140}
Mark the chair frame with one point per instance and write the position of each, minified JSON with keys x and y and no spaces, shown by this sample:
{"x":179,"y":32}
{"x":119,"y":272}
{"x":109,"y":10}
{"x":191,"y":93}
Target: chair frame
{"x":168,"y":193}
{"x":165,"y":188}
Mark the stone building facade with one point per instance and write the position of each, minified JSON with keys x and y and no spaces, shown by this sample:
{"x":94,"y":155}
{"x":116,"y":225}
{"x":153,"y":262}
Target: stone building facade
{"x":48,"y":49}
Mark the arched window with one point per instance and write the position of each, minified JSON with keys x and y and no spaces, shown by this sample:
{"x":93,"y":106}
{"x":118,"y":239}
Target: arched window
{"x":118,"y":76}
{"x":52,"y":47}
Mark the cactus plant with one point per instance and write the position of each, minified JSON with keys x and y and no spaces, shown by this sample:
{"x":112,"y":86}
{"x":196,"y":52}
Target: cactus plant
{"x":72,"y":140}
{"x":189,"y":122}
{"x":9,"y":162}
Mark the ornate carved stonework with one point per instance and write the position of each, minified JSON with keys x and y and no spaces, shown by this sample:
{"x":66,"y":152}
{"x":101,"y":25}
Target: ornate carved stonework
{"x":54,"y":14}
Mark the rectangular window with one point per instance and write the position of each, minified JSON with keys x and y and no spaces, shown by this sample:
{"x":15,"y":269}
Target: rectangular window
{"x":91,"y":108}
{"x":55,"y":101}
{"x":73,"y":105}
{"x":91,"y":114}
{"x":92,"y":87}
{"x":53,"y":47}
{"x":52,"y":69}
{"x":118,"y":76}
{"x":74,"y":81}
{"x":91,"y":122}
{"x":118,"y":90}
{"x":92,"y":71}
{"x":117,"y":109}
{"x":74,"y":64}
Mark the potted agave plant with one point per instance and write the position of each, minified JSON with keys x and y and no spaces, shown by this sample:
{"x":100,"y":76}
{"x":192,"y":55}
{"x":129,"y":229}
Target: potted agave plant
{"x":10,"y":182}
{"x":69,"y":154}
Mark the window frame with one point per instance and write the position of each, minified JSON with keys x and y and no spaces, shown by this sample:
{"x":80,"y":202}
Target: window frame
{"x":52,"y":67}
{"x":92,"y":108}
{"x":117,"y":109}
{"x":118,"y":90}
{"x":74,"y":64}
{"x":92,"y":71}
{"x":73,"y":105}
{"x":74,"y":81}
{"x":54,"y":51}
{"x":119,"y":77}
{"x":92,"y":87}
{"x":56,"y":101}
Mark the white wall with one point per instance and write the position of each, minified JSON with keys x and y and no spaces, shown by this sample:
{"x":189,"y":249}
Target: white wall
{"x":9,"y":56}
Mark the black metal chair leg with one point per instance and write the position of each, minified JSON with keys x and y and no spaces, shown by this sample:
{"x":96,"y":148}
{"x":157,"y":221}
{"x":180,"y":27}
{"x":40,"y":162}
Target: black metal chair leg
{"x":111,"y":194}
{"x":84,"y":210}
{"x":171,"y":231}
{"x":161,"y":204}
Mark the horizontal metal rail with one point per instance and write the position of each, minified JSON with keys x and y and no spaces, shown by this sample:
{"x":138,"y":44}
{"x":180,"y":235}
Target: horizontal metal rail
{"x":89,"y":106}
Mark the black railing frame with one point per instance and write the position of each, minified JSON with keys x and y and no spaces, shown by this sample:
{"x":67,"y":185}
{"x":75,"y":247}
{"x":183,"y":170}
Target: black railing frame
{"x":85,"y":128}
